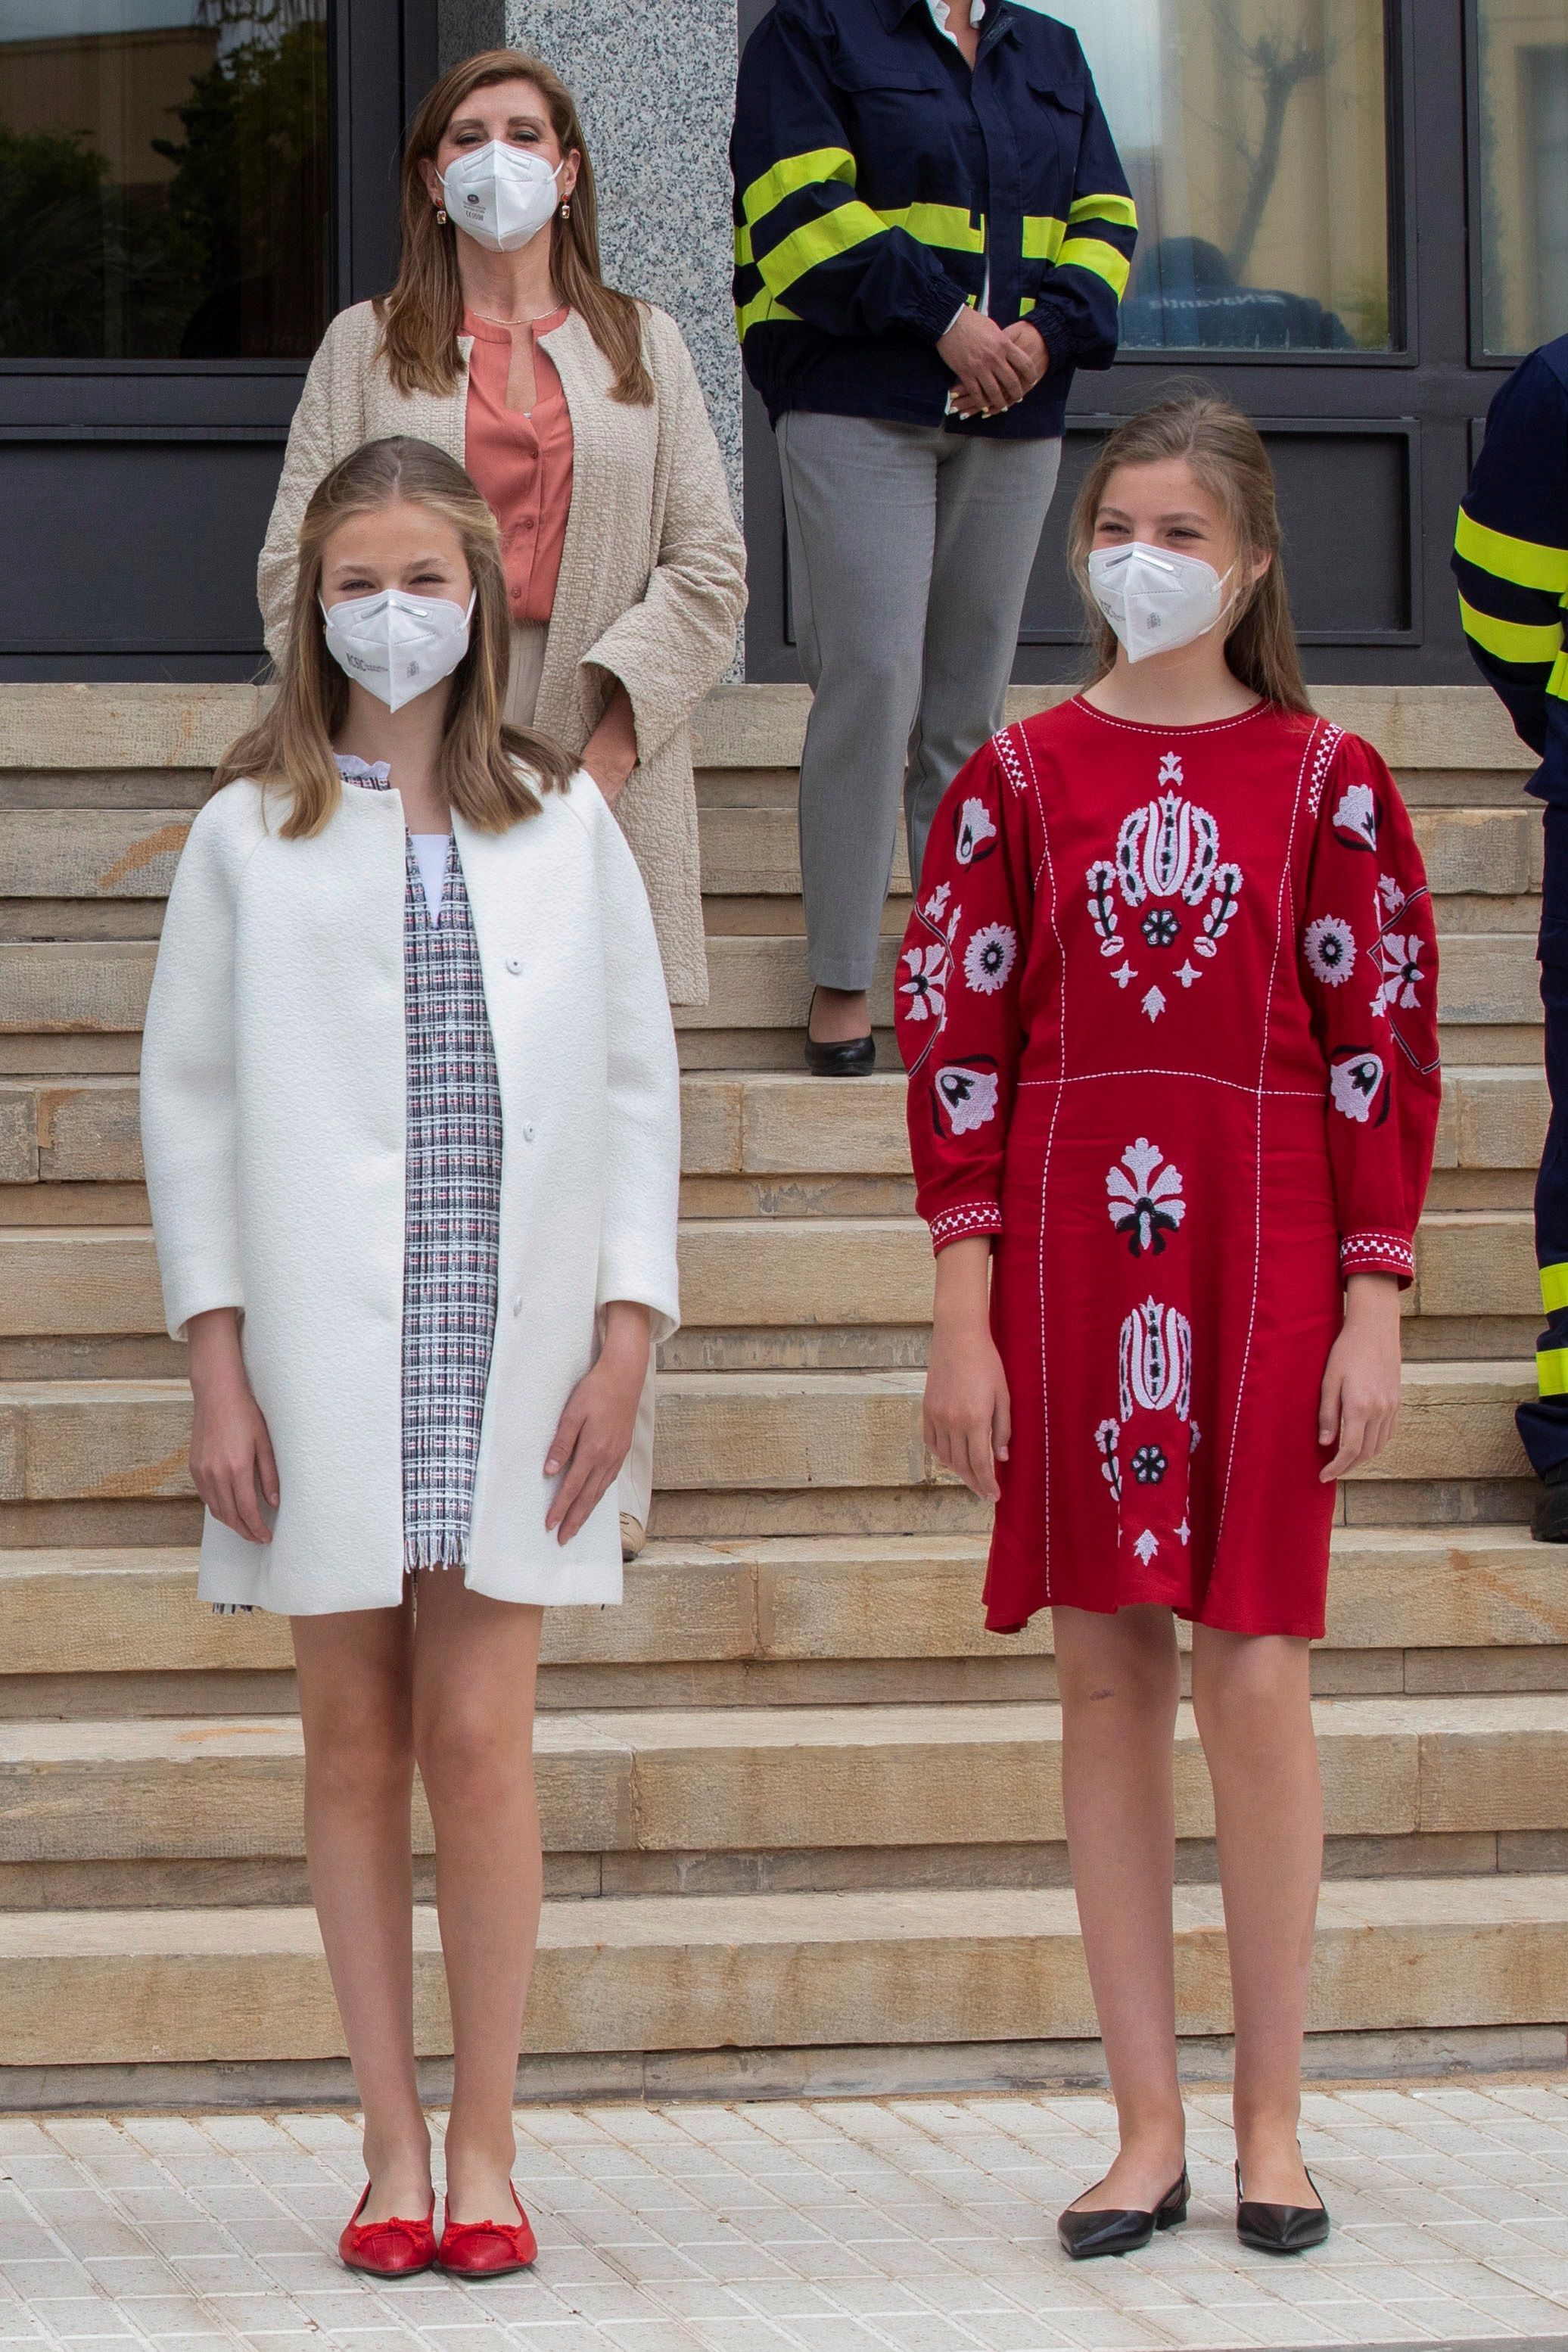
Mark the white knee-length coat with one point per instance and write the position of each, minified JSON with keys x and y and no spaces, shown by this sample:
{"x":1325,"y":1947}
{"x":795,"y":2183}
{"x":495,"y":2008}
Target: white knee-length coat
{"x":273,"y":1114}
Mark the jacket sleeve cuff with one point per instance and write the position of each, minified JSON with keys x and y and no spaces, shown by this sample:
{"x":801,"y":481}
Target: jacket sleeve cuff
{"x":627,"y":1274}
{"x":1059,"y":325}
{"x":938,"y":307}
{"x":1375,"y":1252}
{"x":960,"y":1223}
{"x":193,"y":1291}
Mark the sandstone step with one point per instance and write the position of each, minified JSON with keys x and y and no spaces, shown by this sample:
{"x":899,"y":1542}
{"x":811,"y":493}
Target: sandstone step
{"x":742,"y":1122}
{"x":769,"y":1971}
{"x":678,"y":1781}
{"x":717,"y":1430}
{"x":100,"y":986}
{"x":80,"y":1612}
{"x":747,"y":830}
{"x":735,"y":1272}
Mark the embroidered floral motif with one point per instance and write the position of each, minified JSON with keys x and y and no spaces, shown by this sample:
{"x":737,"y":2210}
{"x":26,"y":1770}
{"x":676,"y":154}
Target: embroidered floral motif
{"x":1144,"y":1197}
{"x":1330,"y":948}
{"x":1161,"y":928}
{"x":926,"y":987}
{"x":1147,"y":1544}
{"x":989,"y":957}
{"x":1154,"y":1004}
{"x":965,"y":1094}
{"x":1358,"y":1085}
{"x":1155,"y":1361}
{"x":1399,"y":954}
{"x":1391,"y":891}
{"x":935,"y":907}
{"x":1148,"y":1465}
{"x":1108,"y":1437}
{"x":1358,"y":818}
{"x":1329,"y":743}
{"x":974,"y":832}
{"x":1165,"y":849}
{"x":1103,"y":910}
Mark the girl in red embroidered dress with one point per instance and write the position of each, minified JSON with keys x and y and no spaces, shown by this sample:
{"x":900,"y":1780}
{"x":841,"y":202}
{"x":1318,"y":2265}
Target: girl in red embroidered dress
{"x":1167,"y":1004}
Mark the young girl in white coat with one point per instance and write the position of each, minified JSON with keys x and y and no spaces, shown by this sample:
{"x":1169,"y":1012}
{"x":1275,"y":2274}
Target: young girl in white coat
{"x":410,"y":1111}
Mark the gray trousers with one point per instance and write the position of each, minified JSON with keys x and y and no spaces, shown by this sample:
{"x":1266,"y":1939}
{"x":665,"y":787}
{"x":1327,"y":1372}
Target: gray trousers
{"x":910,"y":550}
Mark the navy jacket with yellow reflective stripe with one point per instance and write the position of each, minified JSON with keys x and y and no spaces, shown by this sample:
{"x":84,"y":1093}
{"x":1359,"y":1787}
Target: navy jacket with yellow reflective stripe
{"x":881,"y":184}
{"x":1510,"y":554}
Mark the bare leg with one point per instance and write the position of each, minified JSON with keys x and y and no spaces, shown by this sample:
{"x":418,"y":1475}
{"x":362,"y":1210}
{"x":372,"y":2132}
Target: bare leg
{"x":838,"y":1015}
{"x":356,"y":1699}
{"x":475,"y":1662}
{"x":1119,"y":1685}
{"x":1252,"y":1697}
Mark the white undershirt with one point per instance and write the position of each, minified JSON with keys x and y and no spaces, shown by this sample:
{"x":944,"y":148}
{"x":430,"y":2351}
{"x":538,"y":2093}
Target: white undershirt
{"x":430,"y":852}
{"x":941,"y":12}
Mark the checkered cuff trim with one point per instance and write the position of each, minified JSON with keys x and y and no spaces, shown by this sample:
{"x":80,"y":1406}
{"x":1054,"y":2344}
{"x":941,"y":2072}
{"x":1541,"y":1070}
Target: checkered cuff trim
{"x":1374,"y":1253}
{"x":969,"y":1217}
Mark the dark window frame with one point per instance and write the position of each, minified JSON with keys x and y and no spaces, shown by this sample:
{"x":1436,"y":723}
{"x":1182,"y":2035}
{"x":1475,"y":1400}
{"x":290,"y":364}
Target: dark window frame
{"x":383,"y":58}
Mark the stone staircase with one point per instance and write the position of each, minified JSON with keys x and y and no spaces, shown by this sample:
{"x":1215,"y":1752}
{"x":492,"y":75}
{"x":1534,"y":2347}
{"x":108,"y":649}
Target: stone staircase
{"x":802,"y":1815}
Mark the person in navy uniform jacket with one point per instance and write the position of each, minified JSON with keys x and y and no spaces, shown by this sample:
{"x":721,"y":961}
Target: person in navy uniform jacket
{"x":1510,"y":554}
{"x":933,"y":231}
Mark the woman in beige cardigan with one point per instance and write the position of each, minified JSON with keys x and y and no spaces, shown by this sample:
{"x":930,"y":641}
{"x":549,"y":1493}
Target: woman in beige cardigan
{"x":590,"y":438}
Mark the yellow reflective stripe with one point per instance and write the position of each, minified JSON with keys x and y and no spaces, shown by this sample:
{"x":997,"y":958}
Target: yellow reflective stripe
{"x":1026,"y":306}
{"x":1552,"y":1371}
{"x":817,"y":241}
{"x":743,"y":247}
{"x":947,"y":224}
{"x":1512,"y":641}
{"x":1120,"y":211}
{"x":1557,"y":683}
{"x":793,"y":171}
{"x":1553,"y":1287}
{"x":1104,"y":261}
{"x":760,"y":309}
{"x":1523,"y":562}
{"x":1043,"y":235}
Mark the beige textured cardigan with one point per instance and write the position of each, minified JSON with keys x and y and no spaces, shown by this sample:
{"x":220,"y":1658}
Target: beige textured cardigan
{"x":652,"y":581}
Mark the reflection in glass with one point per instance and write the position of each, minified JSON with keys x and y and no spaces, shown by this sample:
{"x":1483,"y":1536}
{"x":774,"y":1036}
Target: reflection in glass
{"x":163,"y":186}
{"x":1255,"y":136}
{"x":1523,"y":77}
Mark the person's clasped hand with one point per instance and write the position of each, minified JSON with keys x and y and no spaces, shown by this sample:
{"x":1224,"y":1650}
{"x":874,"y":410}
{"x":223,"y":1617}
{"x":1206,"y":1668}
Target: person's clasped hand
{"x":995,"y":366}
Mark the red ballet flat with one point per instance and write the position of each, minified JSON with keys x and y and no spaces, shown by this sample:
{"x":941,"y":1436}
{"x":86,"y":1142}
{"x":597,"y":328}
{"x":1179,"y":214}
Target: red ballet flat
{"x":487,"y":2248}
{"x":390,"y":2248}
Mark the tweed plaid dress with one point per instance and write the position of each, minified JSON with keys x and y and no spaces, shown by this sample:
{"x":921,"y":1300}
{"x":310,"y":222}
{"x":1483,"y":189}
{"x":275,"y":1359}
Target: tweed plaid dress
{"x":452,"y":1217}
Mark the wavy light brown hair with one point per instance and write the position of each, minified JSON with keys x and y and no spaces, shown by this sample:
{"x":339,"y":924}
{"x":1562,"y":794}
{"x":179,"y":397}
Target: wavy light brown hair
{"x":1225,"y":452}
{"x":489,"y":771}
{"x":422,"y":317}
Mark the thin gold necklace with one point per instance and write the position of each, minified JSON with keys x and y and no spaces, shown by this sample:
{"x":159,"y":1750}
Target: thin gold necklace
{"x":526,"y":321}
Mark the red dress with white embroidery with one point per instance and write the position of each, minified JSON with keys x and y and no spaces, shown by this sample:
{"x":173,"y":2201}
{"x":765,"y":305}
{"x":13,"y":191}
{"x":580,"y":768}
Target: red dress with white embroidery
{"x":1167,"y":1006}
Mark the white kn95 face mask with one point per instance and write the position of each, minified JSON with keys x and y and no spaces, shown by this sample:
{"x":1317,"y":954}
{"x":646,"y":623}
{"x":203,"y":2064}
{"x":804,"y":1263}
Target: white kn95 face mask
{"x":502,"y":196}
{"x":1153,"y":599}
{"x":397,"y":646}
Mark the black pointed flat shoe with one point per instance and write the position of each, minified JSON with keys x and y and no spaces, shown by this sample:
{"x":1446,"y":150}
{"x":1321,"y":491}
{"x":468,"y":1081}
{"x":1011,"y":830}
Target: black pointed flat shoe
{"x":1117,"y":2231}
{"x":1549,"y":1520}
{"x":1280,"y":2229}
{"x":855,"y":1057}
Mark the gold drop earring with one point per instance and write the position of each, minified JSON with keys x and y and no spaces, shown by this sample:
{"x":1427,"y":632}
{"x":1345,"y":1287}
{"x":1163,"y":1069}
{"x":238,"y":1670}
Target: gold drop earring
{"x":441,"y":216}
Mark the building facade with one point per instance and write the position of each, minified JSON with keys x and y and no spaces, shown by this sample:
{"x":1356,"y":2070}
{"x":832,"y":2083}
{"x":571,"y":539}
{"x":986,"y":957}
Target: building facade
{"x":1356,"y":218}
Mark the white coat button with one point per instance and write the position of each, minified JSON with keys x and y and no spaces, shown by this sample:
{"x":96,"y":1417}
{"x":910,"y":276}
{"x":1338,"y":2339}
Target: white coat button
{"x":517,"y":1304}
{"x":514,"y":963}
{"x":528,"y":1131}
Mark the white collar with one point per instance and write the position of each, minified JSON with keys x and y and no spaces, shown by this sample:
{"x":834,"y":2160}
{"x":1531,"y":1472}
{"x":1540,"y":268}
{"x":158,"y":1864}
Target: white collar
{"x":940,"y":13}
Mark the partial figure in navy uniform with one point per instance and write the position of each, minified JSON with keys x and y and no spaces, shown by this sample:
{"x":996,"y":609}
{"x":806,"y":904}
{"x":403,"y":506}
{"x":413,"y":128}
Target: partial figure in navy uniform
{"x":1511,"y":559}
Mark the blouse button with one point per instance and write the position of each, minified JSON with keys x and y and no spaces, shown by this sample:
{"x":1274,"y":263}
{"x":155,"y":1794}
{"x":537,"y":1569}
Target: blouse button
{"x":514,"y":963}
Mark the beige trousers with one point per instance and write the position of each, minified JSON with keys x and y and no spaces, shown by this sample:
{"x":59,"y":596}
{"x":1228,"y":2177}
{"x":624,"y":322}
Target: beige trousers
{"x":635,"y":1485}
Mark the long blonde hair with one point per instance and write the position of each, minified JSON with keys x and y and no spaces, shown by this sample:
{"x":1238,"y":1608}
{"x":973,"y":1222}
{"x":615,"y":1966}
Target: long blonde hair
{"x":487,"y":769}
{"x":422,"y":317}
{"x":1225,"y":452}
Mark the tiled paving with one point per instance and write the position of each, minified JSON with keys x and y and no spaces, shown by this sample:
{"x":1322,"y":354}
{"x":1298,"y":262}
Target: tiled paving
{"x":837,"y":2225}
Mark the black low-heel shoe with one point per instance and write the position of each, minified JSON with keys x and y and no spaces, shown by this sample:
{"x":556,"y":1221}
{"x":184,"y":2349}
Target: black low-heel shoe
{"x":855,"y":1057}
{"x":1280,"y":2229}
{"x":1116,"y":2230}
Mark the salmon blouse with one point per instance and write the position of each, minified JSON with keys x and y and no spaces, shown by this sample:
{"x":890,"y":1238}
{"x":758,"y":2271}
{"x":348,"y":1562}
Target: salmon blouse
{"x":520,"y":462}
